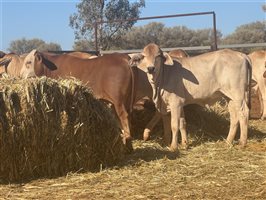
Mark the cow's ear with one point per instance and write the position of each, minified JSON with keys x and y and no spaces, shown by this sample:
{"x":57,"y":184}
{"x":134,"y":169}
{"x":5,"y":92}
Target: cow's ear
{"x":38,"y":56}
{"x":49,"y":64}
{"x":264,"y":74}
{"x":135,"y":59}
{"x":168,"y":59}
{"x":5,"y":61}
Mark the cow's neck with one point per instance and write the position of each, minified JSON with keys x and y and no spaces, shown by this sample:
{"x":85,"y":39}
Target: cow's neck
{"x":158,"y":91}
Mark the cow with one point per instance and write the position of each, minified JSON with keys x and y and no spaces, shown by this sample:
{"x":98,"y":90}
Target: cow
{"x":178,"y":53}
{"x":202,"y":80}
{"x":258,"y":60}
{"x":144,"y":89}
{"x":11,"y":64}
{"x":82,"y":55}
{"x":109,"y":76}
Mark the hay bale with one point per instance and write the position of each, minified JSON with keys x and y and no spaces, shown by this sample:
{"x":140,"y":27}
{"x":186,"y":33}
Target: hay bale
{"x":49,"y":128}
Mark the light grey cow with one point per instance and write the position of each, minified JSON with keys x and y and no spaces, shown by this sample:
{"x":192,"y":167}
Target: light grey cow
{"x":202,"y":80}
{"x":11,"y":64}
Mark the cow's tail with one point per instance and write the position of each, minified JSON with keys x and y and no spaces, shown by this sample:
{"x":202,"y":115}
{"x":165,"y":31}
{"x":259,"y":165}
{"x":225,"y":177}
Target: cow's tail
{"x":249,"y":78}
{"x":132,"y":94}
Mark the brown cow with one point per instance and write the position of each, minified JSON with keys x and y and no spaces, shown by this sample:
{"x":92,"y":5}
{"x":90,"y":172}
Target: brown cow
{"x":109,"y":76}
{"x":82,"y":55}
{"x":202,"y":80}
{"x":258,"y":60}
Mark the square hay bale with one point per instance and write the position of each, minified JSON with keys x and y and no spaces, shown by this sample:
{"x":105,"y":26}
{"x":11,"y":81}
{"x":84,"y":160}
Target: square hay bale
{"x":49,"y":128}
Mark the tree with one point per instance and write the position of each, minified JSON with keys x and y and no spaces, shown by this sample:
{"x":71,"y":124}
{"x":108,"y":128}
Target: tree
{"x":264,"y":7}
{"x":83,"y":45}
{"x":177,"y":36}
{"x":91,"y":11}
{"x":254,"y":32}
{"x":23,"y":45}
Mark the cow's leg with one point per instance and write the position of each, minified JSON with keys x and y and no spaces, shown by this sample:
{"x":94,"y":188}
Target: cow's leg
{"x":260,"y":88}
{"x":263,"y":103}
{"x":233,"y":122}
{"x":263,"y":117}
{"x":243,"y":119}
{"x":155,"y":119}
{"x":167,"y":129}
{"x":175,"y":125}
{"x":183,"y":131}
{"x":240,"y":113}
{"x":124,"y":120}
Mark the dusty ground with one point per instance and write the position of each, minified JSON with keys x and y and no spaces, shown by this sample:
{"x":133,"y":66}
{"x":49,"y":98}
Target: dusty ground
{"x":210,"y":169}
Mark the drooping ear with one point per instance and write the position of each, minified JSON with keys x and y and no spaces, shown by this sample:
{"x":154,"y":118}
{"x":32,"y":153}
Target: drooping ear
{"x":168,"y":59}
{"x":135,"y":59}
{"x":5,"y":61}
{"x":45,"y":60}
{"x":38,"y":57}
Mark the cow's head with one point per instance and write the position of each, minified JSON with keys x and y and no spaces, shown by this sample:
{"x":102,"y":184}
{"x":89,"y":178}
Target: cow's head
{"x":34,"y":65}
{"x":151,"y":60}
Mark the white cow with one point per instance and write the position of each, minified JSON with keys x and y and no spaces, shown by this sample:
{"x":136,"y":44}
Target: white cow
{"x":258,"y":60}
{"x":202,"y":80}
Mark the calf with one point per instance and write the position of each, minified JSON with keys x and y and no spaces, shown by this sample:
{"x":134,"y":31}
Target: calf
{"x":202,"y":80}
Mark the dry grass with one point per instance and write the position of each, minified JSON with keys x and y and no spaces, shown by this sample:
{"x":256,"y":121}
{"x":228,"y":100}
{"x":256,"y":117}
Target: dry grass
{"x":49,"y":128}
{"x":210,"y":169}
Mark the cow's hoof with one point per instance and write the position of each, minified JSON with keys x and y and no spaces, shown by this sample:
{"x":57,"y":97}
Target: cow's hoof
{"x":128,"y":144}
{"x":129,"y":148}
{"x":184,"y":146}
{"x":146,"y":135}
{"x":242,"y":145}
{"x":172,"y":149}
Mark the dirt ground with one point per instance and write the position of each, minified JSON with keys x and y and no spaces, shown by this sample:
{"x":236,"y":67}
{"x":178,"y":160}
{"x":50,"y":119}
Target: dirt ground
{"x":210,"y":169}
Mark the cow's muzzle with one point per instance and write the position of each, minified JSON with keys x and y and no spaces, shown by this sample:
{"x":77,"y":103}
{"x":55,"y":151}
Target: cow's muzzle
{"x":151,"y":70}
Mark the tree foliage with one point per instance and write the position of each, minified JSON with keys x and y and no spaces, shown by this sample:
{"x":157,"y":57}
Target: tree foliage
{"x":91,"y":11}
{"x":254,"y":32}
{"x":83,"y":45}
{"x":264,"y":7}
{"x":23,"y":45}
{"x":177,"y":36}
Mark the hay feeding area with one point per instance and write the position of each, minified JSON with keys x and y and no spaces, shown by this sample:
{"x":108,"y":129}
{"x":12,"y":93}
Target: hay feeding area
{"x":49,"y":128}
{"x":209,"y":169}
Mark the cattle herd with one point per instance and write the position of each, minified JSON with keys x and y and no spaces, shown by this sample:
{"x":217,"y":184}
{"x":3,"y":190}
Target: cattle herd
{"x":172,"y":80}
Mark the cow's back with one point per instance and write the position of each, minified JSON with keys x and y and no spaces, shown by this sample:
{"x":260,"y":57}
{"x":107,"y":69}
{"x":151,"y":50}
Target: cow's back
{"x":203,"y":78}
{"x":109,"y":76}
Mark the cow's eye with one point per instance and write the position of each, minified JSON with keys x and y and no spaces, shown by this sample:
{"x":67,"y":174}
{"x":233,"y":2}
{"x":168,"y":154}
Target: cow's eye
{"x":28,"y":63}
